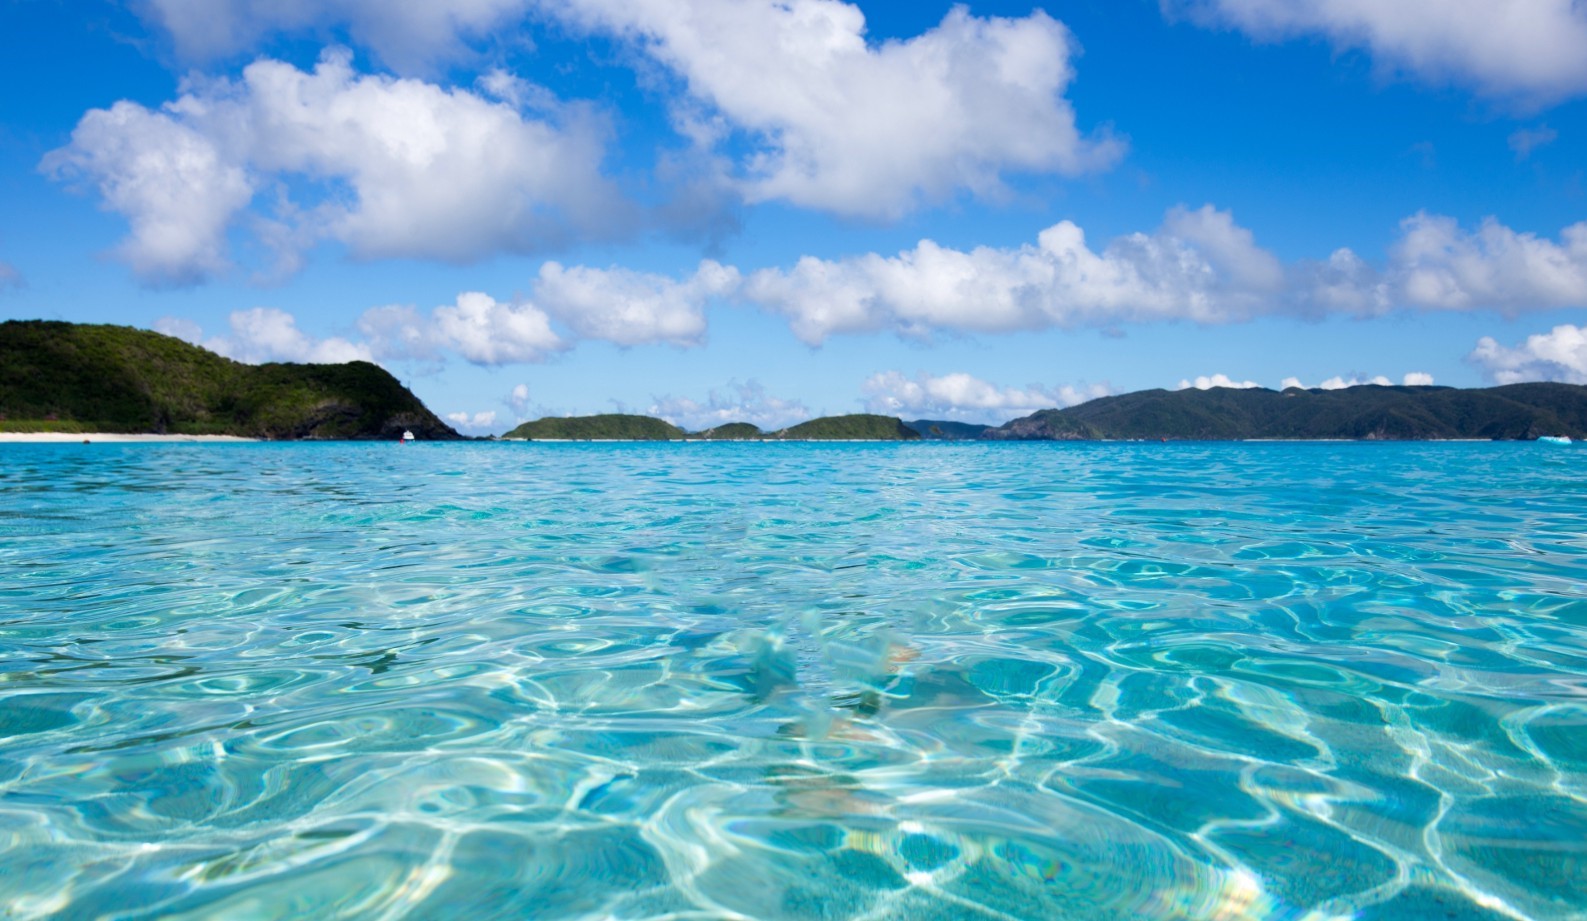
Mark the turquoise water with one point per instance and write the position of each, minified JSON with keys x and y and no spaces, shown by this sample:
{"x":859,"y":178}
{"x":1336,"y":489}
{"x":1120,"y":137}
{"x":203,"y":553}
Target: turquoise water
{"x":793,"y":681}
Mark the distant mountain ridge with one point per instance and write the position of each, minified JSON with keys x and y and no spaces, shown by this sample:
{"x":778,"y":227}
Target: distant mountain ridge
{"x":626,"y":427}
{"x":70,"y":377}
{"x":1366,"y":412}
{"x":75,"y":377}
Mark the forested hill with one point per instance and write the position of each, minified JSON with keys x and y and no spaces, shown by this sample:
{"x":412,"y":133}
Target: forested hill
{"x":624,"y":427}
{"x":604,"y":427}
{"x":75,"y":377}
{"x":1371,"y":412}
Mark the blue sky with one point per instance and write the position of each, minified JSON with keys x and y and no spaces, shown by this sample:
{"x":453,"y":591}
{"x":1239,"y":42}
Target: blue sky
{"x":742,"y":209}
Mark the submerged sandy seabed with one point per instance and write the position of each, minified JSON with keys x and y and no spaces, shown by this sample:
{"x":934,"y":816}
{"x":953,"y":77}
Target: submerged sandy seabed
{"x":49,"y":437}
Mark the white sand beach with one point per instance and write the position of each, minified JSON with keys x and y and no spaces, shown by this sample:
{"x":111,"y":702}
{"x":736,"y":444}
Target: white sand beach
{"x":92,"y":437}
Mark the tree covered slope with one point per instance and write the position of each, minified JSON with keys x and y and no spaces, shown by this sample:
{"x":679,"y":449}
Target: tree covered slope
{"x":1514,"y":411}
{"x":604,"y":427}
{"x":98,"y":378}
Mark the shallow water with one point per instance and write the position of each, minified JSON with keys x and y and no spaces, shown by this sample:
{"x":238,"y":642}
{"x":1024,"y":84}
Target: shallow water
{"x":793,"y":681}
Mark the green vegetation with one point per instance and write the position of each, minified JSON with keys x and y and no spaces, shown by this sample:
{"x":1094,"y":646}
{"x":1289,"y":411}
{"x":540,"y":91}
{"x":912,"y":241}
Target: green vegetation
{"x":70,"y":377}
{"x":860,"y":426}
{"x":1515,"y":411}
{"x":733,"y":431}
{"x":942,"y":430}
{"x":621,"y":427}
{"x":606,"y":427}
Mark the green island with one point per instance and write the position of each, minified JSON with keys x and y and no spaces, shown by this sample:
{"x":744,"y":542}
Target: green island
{"x":1367,"y":412}
{"x":855,"y":427}
{"x":626,"y":427}
{"x":79,"y":378}
{"x":85,"y":378}
{"x":604,"y":427}
{"x":944,"y":430}
{"x":733,"y":431}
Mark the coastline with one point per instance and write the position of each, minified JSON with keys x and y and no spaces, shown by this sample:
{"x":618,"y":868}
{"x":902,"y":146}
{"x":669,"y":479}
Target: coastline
{"x":114,"y":438}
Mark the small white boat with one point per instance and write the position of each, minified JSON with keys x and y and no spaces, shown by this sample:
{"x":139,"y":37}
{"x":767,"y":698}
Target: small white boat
{"x":407,"y":435}
{"x":1553,"y":439}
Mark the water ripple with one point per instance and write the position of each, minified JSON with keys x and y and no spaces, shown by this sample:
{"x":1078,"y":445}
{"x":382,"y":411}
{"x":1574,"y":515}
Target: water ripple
{"x":793,"y":681}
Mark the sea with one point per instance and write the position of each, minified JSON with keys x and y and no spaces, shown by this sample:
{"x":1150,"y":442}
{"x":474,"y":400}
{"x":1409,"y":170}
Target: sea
{"x":793,"y":681}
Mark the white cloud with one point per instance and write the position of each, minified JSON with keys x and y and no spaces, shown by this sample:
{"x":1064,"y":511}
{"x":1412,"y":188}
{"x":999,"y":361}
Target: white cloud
{"x":746,"y":402}
{"x":400,"y":332}
{"x":177,"y":187}
{"x":1340,"y":382}
{"x":10,"y":278}
{"x":870,"y":130}
{"x":960,"y":396}
{"x":1217,"y":380}
{"x":1558,"y":355}
{"x":477,"y":328}
{"x":404,"y":35}
{"x":515,"y":90}
{"x":181,"y":328}
{"x":629,"y":308}
{"x":1525,"y":140}
{"x":1525,"y":49}
{"x":1199,"y":266}
{"x":264,"y":334}
{"x":518,"y":401}
{"x":615,"y":305}
{"x":398,"y":168}
{"x":1438,"y":265}
{"x":476,"y":424}
{"x":488,"y":332}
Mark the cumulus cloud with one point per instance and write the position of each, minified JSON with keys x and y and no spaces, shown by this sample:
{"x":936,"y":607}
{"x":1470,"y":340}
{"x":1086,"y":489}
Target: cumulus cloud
{"x":1198,"y":266}
{"x":264,"y":334}
{"x":398,"y":168}
{"x":1217,"y":380}
{"x":960,"y":396}
{"x":1340,"y":382}
{"x":177,"y":187}
{"x":1524,"y":49}
{"x":517,"y":400}
{"x":871,"y":130}
{"x":477,"y":327}
{"x":628,"y":308}
{"x":406,"y":36}
{"x":570,"y":305}
{"x":616,"y":305}
{"x":789,"y":101}
{"x":1438,"y":265}
{"x":400,"y":332}
{"x":1557,"y":355}
{"x":736,"y":402}
{"x":488,"y":332}
{"x":476,"y":424}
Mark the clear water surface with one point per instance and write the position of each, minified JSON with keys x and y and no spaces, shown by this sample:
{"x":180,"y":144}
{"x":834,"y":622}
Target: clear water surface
{"x":692,"y":681}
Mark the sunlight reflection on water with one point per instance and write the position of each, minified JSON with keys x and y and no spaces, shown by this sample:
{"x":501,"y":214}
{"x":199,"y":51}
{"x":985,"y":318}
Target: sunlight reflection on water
{"x":793,"y":681}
